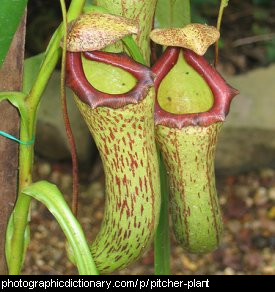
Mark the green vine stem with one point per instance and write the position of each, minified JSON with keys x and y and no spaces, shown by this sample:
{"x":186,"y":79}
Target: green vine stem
{"x":27,"y":130}
{"x":162,"y":235}
{"x":223,"y":4}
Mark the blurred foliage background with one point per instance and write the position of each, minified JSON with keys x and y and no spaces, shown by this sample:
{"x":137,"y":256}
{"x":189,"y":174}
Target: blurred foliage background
{"x":248,"y":28}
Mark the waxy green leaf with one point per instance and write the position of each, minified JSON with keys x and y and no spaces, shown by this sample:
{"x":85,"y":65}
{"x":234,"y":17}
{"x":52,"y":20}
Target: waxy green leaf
{"x":50,"y":196}
{"x":11,"y":12}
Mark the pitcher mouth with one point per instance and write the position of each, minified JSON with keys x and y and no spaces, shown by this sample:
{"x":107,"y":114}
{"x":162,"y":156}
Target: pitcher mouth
{"x":77,"y":81}
{"x":222,"y":92}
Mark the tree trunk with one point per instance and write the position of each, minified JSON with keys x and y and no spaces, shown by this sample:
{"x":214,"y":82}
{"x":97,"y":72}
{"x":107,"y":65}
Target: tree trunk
{"x":10,"y":80}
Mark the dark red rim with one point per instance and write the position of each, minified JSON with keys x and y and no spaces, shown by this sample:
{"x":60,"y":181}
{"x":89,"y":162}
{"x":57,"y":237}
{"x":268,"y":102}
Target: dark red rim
{"x":77,"y":81}
{"x":222,"y":92}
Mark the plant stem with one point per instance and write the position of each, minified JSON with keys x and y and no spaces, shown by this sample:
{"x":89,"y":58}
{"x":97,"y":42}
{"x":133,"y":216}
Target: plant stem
{"x":21,"y":209}
{"x":223,"y":4}
{"x":162,"y":236}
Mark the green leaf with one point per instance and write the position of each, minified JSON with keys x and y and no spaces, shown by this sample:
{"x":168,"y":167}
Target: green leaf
{"x":17,"y":99}
{"x":172,"y":13}
{"x":134,"y":50}
{"x":11,"y":12}
{"x":9,"y":234}
{"x":31,"y":70}
{"x":50,"y":196}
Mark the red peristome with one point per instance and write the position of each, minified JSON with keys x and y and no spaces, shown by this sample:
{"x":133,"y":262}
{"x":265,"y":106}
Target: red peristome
{"x":222,"y":92}
{"x":77,"y":81}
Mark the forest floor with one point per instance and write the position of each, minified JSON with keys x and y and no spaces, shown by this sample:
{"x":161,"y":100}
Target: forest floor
{"x":248,"y":242}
